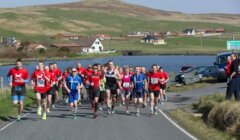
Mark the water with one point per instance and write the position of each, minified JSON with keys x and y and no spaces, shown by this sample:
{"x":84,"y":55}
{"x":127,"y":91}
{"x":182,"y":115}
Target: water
{"x":169,"y":63}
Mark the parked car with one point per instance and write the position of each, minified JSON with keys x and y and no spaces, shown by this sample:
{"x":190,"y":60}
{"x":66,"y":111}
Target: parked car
{"x":186,"y":68}
{"x":188,"y":77}
{"x":207,"y":71}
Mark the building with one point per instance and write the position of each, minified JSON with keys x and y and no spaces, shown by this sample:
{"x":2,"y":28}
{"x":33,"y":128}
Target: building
{"x":220,"y":30}
{"x":189,"y":32}
{"x":84,"y":45}
{"x":34,"y":47}
{"x":103,"y":36}
{"x":153,"y":40}
{"x":137,"y":34}
{"x":66,"y":36}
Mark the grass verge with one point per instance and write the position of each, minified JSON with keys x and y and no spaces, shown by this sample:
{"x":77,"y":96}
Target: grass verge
{"x":197,"y":126}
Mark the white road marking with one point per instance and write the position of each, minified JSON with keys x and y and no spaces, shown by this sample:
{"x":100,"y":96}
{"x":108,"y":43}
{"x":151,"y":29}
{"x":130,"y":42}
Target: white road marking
{"x":176,"y":125}
{"x":1,"y":129}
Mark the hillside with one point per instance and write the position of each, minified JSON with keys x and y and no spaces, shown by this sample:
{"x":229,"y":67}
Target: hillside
{"x":102,"y":16}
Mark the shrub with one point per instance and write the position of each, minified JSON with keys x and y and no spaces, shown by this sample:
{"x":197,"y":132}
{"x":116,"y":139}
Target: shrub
{"x":226,"y":116}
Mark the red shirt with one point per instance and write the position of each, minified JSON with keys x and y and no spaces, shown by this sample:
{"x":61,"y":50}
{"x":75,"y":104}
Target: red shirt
{"x":18,"y":75}
{"x":40,"y":81}
{"x":163,"y":76}
{"x":228,"y":69}
{"x":154,"y":80}
{"x":64,"y":76}
{"x":81,"y":71}
{"x":94,"y":80}
{"x":53,"y":76}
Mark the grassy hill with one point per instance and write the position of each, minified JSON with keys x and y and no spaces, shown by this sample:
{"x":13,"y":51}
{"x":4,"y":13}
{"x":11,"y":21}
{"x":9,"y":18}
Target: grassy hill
{"x":102,"y":16}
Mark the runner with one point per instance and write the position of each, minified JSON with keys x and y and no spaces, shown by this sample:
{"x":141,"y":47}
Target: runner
{"x":64,"y":91}
{"x":94,"y":89}
{"x":138,"y":80}
{"x":48,"y":88}
{"x":88,"y":72}
{"x":111,"y":86}
{"x":102,"y":98}
{"x":163,"y":84}
{"x":119,"y":87}
{"x":126,"y":88}
{"x":145,"y":89}
{"x":58,"y":74}
{"x":154,"y":88}
{"x":81,"y":71}
{"x":18,"y":77}
{"x":39,"y":80}
{"x":72,"y":83}
{"x":53,"y":86}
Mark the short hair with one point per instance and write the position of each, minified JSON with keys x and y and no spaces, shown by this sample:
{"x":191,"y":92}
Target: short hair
{"x":235,"y":55}
{"x":19,"y":60}
{"x":95,"y":65}
{"x":154,"y":65}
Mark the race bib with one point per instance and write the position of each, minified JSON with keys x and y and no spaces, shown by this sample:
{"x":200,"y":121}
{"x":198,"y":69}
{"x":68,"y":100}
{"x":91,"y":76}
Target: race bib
{"x":154,"y":80}
{"x":18,"y":88}
{"x":126,"y":84}
{"x":40,"y":83}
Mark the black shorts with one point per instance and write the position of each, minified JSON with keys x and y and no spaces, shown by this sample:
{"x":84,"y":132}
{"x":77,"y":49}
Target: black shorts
{"x":102,"y":96}
{"x":94,"y":92}
{"x":58,"y":87}
{"x":112,"y":88}
{"x":53,"y":89}
{"x":163,"y":87}
{"x":126,"y":93}
{"x":43,"y":95}
{"x":155,"y":92}
{"x":137,"y":93}
{"x":48,"y":92}
{"x":18,"y":91}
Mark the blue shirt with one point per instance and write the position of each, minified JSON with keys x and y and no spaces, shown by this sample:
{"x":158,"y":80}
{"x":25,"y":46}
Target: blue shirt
{"x":73,"y":82}
{"x":138,"y":81}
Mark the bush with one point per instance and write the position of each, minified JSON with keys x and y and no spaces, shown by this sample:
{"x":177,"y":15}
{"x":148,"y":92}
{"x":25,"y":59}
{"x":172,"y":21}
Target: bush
{"x":206,"y":103}
{"x":226,"y":116}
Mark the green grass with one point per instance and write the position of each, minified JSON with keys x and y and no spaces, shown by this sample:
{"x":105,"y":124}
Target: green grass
{"x":8,"y":109}
{"x":197,"y":126}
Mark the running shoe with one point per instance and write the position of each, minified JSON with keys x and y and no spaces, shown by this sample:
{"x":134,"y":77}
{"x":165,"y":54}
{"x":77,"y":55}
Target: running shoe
{"x":53,"y":106}
{"x":137,"y":114}
{"x":66,"y":101}
{"x":123,"y":103}
{"x":39,"y":111}
{"x":74,"y":116}
{"x":100,"y":108}
{"x":18,"y":117}
{"x":151,"y":112}
{"x":44,"y":117}
{"x":79,"y":103}
{"x":127,"y":112}
{"x":95,"y":116}
{"x":48,"y":110}
{"x":113,"y":111}
{"x":155,"y":112}
{"x":108,"y":112}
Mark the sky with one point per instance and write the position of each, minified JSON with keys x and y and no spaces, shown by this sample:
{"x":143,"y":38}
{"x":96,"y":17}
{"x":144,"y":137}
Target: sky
{"x":185,"y":6}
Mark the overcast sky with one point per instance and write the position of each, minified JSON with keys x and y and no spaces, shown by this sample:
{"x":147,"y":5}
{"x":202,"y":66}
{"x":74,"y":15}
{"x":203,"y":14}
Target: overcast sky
{"x":186,"y":6}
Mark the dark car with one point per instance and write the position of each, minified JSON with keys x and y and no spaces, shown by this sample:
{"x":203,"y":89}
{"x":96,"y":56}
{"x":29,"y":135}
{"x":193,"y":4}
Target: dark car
{"x":186,"y":68}
{"x":188,"y":77}
{"x":207,"y":71}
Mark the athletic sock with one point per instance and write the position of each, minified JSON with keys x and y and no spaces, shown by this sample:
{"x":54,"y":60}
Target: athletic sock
{"x":96,"y":107}
{"x":75,"y":110}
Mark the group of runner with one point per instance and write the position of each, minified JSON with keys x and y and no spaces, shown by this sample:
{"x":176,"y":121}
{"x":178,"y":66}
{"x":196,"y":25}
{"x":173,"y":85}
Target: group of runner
{"x":105,"y":86}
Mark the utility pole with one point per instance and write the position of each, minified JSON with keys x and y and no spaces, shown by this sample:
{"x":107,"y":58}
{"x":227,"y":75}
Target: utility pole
{"x":201,"y":40}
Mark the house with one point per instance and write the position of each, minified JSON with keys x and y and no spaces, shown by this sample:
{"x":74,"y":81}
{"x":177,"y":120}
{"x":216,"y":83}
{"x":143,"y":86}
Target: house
{"x":189,"y":32}
{"x":103,"y":36}
{"x":8,"y":41}
{"x":66,"y":36}
{"x":137,"y":34}
{"x":84,"y":44}
{"x":220,"y":30}
{"x":153,"y":40}
{"x":34,"y":47}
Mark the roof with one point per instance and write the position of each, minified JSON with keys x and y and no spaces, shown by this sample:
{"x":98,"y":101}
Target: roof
{"x":36,"y":46}
{"x":188,"y":30}
{"x":220,"y":30}
{"x":151,"y":37}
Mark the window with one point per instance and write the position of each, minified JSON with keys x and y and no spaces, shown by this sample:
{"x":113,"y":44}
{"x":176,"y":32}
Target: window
{"x":100,"y":48}
{"x":97,"y":42}
{"x":93,"y":47}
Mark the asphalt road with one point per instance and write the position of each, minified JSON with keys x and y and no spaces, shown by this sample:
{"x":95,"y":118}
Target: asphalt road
{"x":60,"y":125}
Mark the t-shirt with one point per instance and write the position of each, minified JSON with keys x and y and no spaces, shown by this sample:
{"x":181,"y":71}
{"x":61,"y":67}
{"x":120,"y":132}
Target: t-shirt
{"x":40,"y":81}
{"x":18,"y":75}
{"x":81,"y":71}
{"x":163,"y":76}
{"x":73,"y":82}
{"x":111,"y":78}
{"x":154,"y":80}
{"x":94,"y":80}
{"x":138,"y":81}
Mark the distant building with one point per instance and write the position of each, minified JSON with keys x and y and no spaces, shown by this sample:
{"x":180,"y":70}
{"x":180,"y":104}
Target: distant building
{"x":8,"y":41}
{"x":66,"y":36}
{"x":34,"y":47}
{"x":84,"y":44}
{"x":137,"y":34}
{"x":103,"y":36}
{"x":220,"y":30}
{"x":189,"y":32}
{"x":153,"y":40}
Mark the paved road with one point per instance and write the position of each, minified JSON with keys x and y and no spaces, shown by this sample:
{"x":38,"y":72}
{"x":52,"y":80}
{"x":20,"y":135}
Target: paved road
{"x":61,"y":126}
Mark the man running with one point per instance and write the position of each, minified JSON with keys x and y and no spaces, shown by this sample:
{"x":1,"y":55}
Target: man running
{"x":111,"y":86}
{"x":138,"y":80}
{"x":154,"y":88}
{"x":81,"y":71}
{"x":39,"y":80}
{"x":58,"y":74}
{"x":145,"y":89}
{"x":54,"y":81}
{"x":163,"y":84}
{"x":18,"y":77}
{"x":72,"y":83}
{"x":94,"y":89}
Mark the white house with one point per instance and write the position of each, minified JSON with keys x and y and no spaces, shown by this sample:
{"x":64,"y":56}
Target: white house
{"x":36,"y":47}
{"x":90,"y":45}
{"x":190,"y":32}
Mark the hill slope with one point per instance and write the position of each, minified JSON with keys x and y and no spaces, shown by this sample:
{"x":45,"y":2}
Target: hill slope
{"x":102,"y":16}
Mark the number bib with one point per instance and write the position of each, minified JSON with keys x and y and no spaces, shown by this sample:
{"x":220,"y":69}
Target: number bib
{"x":40,"y":83}
{"x":126,"y":84}
{"x":154,"y":80}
